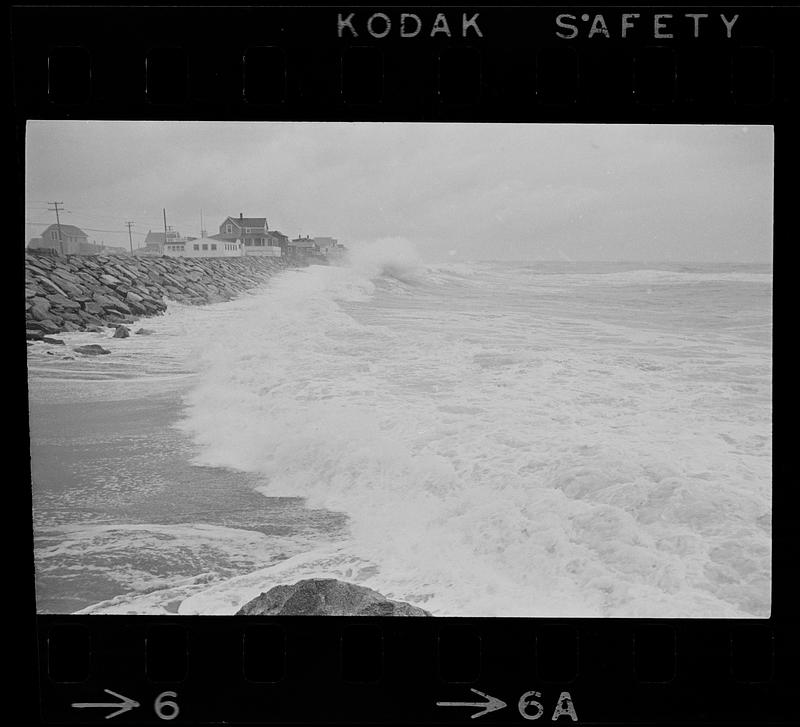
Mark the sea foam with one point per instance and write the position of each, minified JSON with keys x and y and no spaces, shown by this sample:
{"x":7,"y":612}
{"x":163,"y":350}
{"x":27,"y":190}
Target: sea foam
{"x":493,"y":459}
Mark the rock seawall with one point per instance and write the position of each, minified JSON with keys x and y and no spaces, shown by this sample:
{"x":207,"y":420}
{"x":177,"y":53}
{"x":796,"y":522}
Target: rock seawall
{"x":82,"y":292}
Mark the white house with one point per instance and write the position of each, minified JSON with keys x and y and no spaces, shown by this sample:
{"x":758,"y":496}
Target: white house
{"x":203,"y":247}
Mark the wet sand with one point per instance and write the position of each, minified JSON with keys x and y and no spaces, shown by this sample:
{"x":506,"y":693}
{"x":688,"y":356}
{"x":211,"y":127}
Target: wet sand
{"x":99,"y":465}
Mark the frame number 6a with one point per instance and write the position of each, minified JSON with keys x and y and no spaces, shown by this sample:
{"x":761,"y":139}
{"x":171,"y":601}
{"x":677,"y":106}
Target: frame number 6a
{"x":530,"y":708}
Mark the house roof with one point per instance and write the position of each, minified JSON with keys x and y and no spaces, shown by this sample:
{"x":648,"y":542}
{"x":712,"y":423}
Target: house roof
{"x":158,"y":237}
{"x":303,"y":242}
{"x":70,"y":230}
{"x":248,"y":221}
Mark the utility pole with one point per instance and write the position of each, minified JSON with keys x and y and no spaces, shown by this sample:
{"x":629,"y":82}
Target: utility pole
{"x":130,"y":239}
{"x":164,"y":209}
{"x":55,"y":209}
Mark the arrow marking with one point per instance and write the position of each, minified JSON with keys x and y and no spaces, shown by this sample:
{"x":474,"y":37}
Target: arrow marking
{"x":490,"y":705}
{"x":124,"y":706}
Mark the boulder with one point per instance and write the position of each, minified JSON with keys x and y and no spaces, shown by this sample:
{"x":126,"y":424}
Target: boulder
{"x":70,"y":288}
{"x":137,"y":309}
{"x":47,"y":325}
{"x":89,"y":318}
{"x":91,"y":349}
{"x":40,"y":310}
{"x":62,"y":300}
{"x":54,"y":341}
{"x":326,"y":597}
{"x":50,"y":285}
{"x":93,"y":308}
{"x":122,"y":332}
{"x":144,"y":332}
{"x":62,"y":272}
{"x":110,"y":303}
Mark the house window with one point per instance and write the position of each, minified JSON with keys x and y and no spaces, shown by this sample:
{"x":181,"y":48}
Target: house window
{"x":213,"y":246}
{"x":205,"y":247}
{"x":228,"y":228}
{"x":196,"y":247}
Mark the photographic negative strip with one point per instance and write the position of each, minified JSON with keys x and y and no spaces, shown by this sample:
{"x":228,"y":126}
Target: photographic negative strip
{"x":460,"y":314}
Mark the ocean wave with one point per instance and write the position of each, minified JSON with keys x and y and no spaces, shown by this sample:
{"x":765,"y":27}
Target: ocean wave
{"x":655,"y":276}
{"x":533,"y":488}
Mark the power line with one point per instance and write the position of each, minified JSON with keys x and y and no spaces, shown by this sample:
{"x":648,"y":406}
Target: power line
{"x":90,"y":229}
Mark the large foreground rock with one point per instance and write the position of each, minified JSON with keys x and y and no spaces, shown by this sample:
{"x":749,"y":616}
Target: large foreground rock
{"x":326,"y":597}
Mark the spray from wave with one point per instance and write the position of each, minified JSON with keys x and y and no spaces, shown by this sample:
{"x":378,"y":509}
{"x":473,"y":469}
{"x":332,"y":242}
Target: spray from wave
{"x":396,"y":257}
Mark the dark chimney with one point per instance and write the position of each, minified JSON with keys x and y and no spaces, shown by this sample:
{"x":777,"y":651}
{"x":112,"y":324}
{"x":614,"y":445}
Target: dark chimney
{"x":240,"y":216}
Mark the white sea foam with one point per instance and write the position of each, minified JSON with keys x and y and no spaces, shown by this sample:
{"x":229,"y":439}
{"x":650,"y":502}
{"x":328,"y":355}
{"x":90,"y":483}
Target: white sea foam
{"x":492,"y":458}
{"x":154,"y":564}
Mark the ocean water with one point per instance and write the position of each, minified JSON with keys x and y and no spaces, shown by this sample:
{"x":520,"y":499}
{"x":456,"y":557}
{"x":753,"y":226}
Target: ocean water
{"x":480,"y":439}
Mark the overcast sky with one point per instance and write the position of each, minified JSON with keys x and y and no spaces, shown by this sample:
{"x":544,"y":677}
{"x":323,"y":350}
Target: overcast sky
{"x":463,"y":191}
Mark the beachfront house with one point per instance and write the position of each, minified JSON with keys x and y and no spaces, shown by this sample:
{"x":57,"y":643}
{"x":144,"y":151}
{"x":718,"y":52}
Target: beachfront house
{"x":252,"y":233}
{"x":303,"y":247}
{"x":205,"y":247}
{"x":160,"y":243}
{"x":71,"y":240}
{"x":326,"y":245}
{"x":278,"y":239}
